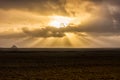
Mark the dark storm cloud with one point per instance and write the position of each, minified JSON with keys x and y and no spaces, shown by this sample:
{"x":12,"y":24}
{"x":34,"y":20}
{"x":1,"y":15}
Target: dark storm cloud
{"x":114,"y":7}
{"x":36,"y":3}
{"x":114,"y":2}
{"x":60,"y":32}
{"x":44,"y":32}
{"x":45,"y":7}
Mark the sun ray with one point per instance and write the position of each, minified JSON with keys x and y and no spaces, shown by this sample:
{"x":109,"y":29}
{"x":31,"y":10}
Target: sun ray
{"x":95,"y":41}
{"x":49,"y":42}
{"x":59,"y":42}
{"x":34,"y":43}
{"x":75,"y":42}
{"x":67,"y":42}
{"x":39,"y":42}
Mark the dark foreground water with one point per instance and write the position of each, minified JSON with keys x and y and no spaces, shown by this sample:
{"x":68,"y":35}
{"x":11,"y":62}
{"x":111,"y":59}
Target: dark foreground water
{"x":60,"y":64}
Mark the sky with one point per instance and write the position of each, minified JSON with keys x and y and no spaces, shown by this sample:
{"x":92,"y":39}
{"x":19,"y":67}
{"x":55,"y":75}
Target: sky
{"x":60,"y":23}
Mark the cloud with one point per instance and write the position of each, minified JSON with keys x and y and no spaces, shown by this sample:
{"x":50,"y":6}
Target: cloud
{"x":44,"y":7}
{"x":47,"y":32}
{"x":44,"y":32}
{"x":104,"y":18}
{"x":114,"y":2}
{"x":51,"y":7}
{"x":12,"y":35}
{"x":60,"y":32}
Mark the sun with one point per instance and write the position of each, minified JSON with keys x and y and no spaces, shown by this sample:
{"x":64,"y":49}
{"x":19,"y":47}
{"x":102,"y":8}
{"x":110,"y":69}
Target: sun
{"x":59,"y":21}
{"x":57,"y":24}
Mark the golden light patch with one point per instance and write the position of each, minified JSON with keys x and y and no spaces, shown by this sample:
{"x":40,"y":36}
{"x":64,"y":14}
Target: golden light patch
{"x":60,"y":21}
{"x":56,"y":24}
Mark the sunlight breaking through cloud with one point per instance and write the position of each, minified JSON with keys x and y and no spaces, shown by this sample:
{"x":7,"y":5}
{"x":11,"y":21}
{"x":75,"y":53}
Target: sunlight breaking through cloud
{"x":60,"y":23}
